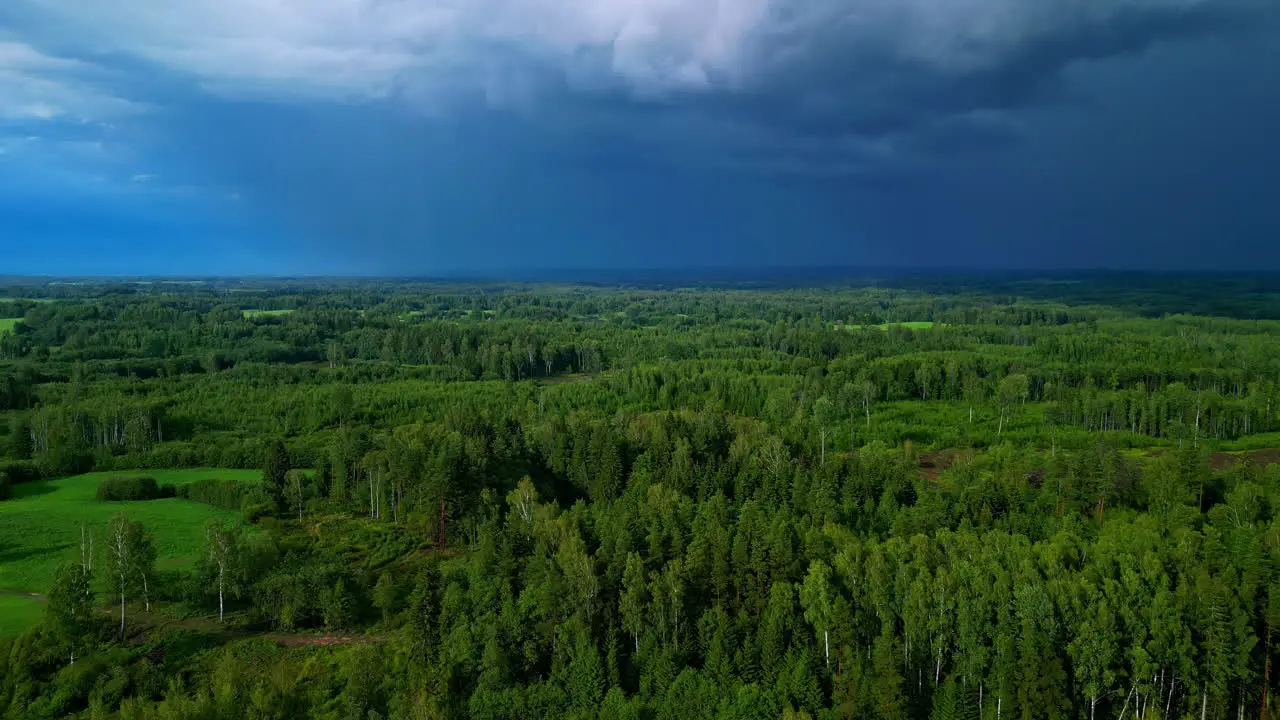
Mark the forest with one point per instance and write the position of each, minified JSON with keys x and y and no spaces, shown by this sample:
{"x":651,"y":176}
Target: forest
{"x":941,"y":498}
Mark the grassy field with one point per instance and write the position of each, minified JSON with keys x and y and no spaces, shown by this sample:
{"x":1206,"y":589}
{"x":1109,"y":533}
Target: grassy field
{"x":266,"y":313}
{"x":7,"y":324}
{"x":18,"y":612}
{"x":40,"y":528}
{"x":914,"y":325}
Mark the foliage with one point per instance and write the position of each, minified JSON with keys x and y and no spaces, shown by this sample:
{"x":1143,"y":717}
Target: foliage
{"x":132,"y":487}
{"x":923,"y":499}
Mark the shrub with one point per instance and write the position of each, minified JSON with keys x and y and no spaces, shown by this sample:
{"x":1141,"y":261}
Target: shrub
{"x":132,"y":487}
{"x":20,"y":471}
{"x":225,"y":494}
{"x":249,"y":498}
{"x":5,"y":490}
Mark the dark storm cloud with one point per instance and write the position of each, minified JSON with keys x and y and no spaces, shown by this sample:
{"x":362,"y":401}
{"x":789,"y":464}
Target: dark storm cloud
{"x":833,"y":83}
{"x":395,"y":134}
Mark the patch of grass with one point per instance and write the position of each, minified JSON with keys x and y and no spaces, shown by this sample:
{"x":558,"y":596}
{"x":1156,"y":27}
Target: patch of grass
{"x":266,"y":313}
{"x":914,"y":325}
{"x":7,"y":324}
{"x":18,"y":612}
{"x":40,"y":525}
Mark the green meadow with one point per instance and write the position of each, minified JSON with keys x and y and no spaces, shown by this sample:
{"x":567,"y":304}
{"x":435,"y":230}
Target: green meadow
{"x":40,"y":528}
{"x":18,"y":612}
{"x":914,"y":325}
{"x":266,"y":313}
{"x":7,"y":324}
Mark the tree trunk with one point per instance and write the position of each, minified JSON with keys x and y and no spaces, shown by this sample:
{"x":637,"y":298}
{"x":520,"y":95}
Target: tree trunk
{"x":1127,"y":698}
{"x":122,"y":609}
{"x":1093,"y":704}
{"x":1204,"y":702}
{"x":221,"y":575}
{"x":1266,"y":673}
{"x":826,"y":642}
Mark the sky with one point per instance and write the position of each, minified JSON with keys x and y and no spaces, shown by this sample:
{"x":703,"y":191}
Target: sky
{"x":421,"y":137}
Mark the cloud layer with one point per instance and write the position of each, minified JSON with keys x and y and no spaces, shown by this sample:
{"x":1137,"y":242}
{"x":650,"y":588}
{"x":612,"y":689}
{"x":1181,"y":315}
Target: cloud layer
{"x":398,"y":120}
{"x":37,"y":86}
{"x":864,"y":63}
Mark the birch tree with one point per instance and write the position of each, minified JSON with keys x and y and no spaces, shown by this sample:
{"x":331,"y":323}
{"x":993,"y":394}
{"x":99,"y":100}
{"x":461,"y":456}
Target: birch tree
{"x":223,"y":558}
{"x":816,"y":599}
{"x":868,"y":391}
{"x":523,"y":501}
{"x":295,"y":490}
{"x":1013,"y":390}
{"x":70,"y":609}
{"x":634,"y":598}
{"x":130,"y":556}
{"x":824,"y":416}
{"x":1093,"y":651}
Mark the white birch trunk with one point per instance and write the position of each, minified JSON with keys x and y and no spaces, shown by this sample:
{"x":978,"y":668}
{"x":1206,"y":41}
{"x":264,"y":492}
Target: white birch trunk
{"x":222,"y":571}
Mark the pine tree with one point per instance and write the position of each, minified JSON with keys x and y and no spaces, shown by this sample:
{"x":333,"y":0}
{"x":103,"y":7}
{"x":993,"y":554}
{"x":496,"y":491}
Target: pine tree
{"x":338,"y":606}
{"x":20,"y":446}
{"x":385,"y":595}
{"x":276,"y":470}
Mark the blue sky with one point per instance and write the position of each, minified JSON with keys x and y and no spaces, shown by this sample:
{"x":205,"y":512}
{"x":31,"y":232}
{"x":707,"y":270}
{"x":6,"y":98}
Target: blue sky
{"x":431,"y":136}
